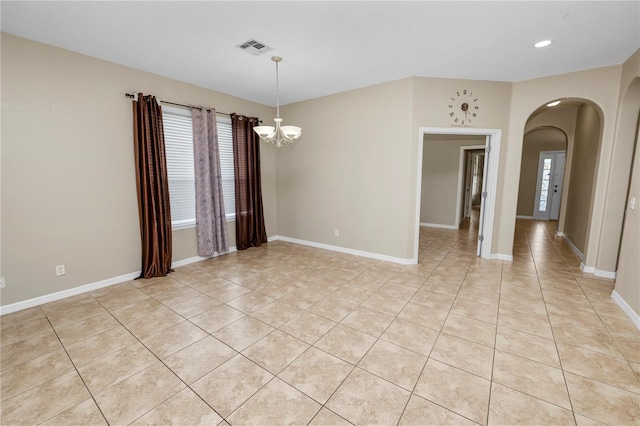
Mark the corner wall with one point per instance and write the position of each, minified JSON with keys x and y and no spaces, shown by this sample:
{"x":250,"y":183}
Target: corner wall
{"x":627,"y":289}
{"x":349,"y":170}
{"x":68,"y":181}
{"x":584,"y":162}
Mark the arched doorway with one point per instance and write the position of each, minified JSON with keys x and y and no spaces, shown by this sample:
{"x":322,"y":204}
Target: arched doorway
{"x":542,"y":173}
{"x":579,"y":123}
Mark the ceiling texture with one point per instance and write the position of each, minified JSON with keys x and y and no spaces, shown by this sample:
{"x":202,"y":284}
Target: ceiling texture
{"x":334,"y":46}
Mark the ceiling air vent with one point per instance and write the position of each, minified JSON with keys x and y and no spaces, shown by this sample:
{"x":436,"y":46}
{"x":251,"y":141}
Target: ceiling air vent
{"x":254,"y":47}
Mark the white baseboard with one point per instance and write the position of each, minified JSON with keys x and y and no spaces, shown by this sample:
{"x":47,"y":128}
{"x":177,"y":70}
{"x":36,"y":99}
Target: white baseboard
{"x":347,"y":250}
{"x":605,"y":274}
{"x":498,"y":256}
{"x":519,"y":216}
{"x":41,"y":300}
{"x":47,"y":298}
{"x":573,"y":246}
{"x":587,"y":269}
{"x":597,"y":272}
{"x":194,"y":259}
{"x":437,"y":225}
{"x":633,"y":315}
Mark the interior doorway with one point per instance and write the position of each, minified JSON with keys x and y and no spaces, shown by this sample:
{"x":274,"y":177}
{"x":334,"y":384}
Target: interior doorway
{"x":470,"y":182}
{"x":549,"y":185}
{"x":489,"y":184}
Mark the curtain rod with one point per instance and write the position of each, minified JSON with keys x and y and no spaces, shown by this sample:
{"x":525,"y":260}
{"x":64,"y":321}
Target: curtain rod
{"x":132,"y":96}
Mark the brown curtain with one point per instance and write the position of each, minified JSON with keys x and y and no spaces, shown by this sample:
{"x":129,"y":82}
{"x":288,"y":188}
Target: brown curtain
{"x":250,"y":230}
{"x":153,"y":187}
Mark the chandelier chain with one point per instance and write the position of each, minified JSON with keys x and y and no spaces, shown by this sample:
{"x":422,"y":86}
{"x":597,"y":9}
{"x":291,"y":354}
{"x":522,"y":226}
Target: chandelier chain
{"x":277,"y":93}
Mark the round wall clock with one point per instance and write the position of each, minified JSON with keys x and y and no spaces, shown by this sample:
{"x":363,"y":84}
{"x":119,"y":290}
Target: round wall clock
{"x":463,"y":108}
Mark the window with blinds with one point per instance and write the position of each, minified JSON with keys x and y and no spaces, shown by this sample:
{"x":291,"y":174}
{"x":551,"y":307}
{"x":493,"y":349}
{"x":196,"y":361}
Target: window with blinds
{"x":225,"y":144}
{"x":178,"y":139}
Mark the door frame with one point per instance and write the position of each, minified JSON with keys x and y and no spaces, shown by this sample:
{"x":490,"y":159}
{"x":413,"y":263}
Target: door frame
{"x":491,"y":164}
{"x":461,"y":179}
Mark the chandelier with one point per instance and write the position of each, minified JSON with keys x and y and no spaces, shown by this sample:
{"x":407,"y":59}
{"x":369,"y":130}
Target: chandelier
{"x":279,"y":135}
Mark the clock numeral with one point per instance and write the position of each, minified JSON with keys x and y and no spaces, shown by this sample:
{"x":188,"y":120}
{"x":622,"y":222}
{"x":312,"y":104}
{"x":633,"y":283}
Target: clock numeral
{"x":476,"y":107}
{"x":475,"y":99}
{"x":457,"y":93}
{"x":456,"y":120}
{"x":453,"y":99}
{"x":469,"y":120}
{"x":464,"y":92}
{"x":451,"y":114}
{"x":474,"y":114}
{"x":450,"y":106}
{"x":462,"y":122}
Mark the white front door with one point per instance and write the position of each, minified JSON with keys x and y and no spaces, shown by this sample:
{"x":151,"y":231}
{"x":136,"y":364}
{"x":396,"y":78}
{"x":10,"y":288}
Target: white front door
{"x":549,"y":185}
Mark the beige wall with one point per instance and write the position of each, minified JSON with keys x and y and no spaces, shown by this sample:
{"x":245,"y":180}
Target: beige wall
{"x":541,"y":139}
{"x":362,"y":176}
{"x":628,"y":269}
{"x":68,"y":183}
{"x":440,"y":172}
{"x":628,"y":278}
{"x":430,"y":109}
{"x":581,"y":189}
{"x":620,"y":169}
{"x":350,"y":170}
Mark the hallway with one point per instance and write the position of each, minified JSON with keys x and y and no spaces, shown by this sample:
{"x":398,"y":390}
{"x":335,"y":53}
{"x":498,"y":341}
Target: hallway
{"x":291,"y":334}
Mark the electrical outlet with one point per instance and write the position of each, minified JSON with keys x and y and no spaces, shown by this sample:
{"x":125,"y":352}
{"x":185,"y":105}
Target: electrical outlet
{"x":2,"y":283}
{"x":336,"y":232}
{"x":60,"y":270}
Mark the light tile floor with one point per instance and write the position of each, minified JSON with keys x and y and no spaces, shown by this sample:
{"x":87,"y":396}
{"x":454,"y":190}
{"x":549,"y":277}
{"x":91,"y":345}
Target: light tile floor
{"x":287,"y":334}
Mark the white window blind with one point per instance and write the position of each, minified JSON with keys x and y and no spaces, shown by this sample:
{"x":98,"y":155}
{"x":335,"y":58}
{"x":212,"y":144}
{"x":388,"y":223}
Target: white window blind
{"x":178,"y":139}
{"x":225,"y":144}
{"x":178,"y":142}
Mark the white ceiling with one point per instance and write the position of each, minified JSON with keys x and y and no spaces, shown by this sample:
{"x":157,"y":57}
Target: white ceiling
{"x":330,"y":47}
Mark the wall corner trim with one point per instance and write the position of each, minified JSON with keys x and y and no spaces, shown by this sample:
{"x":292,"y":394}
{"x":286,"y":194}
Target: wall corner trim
{"x":633,"y":315}
{"x":360,"y":253}
{"x":587,"y":269}
{"x":597,"y":272}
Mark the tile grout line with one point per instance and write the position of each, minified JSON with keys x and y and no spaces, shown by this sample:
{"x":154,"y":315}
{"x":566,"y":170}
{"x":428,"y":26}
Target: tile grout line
{"x":555,"y":342}
{"x":434,"y":345}
{"x":79,"y":375}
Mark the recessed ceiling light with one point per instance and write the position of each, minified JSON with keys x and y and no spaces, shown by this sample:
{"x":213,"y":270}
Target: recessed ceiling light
{"x":552,"y":104}
{"x":543,"y":43}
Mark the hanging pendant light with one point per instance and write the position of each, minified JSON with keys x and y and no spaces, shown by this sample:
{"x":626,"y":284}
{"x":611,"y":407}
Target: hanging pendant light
{"x":279,"y":135}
